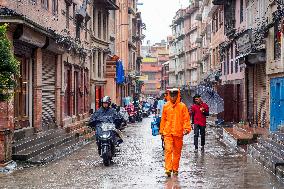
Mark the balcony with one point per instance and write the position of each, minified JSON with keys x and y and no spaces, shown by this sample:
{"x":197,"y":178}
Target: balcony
{"x":108,"y":4}
{"x":220,"y":2}
{"x":193,"y":7}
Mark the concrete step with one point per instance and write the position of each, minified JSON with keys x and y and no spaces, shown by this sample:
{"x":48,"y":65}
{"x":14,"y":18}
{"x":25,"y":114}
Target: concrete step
{"x":237,"y":137}
{"x":58,"y":151}
{"x":273,"y":146}
{"x":36,"y":139}
{"x":278,"y":137}
{"x":265,"y":156}
{"x":42,"y":146}
{"x":280,"y":173}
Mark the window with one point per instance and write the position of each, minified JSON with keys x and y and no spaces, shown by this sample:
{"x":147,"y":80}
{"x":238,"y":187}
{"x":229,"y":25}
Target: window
{"x":94,"y":20}
{"x":67,"y":95}
{"x":99,"y":24}
{"x":236,"y":61}
{"x":44,"y":4}
{"x":94,"y":63}
{"x":54,"y":6}
{"x":67,"y":16}
{"x":76,"y":93}
{"x":228,"y":62}
{"x":221,"y":17}
{"x":225,"y":65}
{"x":241,"y":11}
{"x":105,"y":27}
{"x":99,"y":64}
{"x":232,"y":58}
{"x":78,"y":31}
{"x":249,"y":15}
{"x":21,"y":92}
{"x":74,"y":12}
{"x":86,"y":29}
{"x":34,"y":2}
{"x":86,"y":90}
{"x":277,"y":41}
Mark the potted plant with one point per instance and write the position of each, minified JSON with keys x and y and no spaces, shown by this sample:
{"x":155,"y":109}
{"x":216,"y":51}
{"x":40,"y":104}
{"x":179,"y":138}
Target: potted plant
{"x":9,"y":66}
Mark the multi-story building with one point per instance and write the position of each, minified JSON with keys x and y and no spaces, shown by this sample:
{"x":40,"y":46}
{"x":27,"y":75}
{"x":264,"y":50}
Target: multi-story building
{"x":192,"y":45}
{"x":249,"y":56}
{"x":165,"y":76}
{"x":156,"y":56}
{"x":62,"y":47}
{"x":128,"y":45}
{"x":177,"y":53}
{"x":151,"y":70}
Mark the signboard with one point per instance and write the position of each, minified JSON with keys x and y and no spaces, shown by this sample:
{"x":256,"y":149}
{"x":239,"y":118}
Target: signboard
{"x":244,"y":43}
{"x":143,"y":78}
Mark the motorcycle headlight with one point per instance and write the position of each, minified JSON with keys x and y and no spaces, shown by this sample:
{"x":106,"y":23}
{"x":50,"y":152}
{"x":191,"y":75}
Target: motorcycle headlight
{"x":105,"y":135}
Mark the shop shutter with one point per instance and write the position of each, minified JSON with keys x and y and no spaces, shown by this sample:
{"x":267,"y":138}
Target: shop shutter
{"x":48,"y":90}
{"x":261,"y":95}
{"x":250,"y":93}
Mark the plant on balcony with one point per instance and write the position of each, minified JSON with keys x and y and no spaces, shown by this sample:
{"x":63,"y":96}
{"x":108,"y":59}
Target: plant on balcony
{"x":9,"y":66}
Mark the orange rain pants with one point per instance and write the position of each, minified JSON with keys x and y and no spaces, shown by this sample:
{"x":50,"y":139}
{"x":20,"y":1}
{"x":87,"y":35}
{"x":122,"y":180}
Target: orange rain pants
{"x":173,"y":147}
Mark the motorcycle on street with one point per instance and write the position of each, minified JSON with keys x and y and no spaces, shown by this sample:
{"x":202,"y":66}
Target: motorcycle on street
{"x":108,"y":136}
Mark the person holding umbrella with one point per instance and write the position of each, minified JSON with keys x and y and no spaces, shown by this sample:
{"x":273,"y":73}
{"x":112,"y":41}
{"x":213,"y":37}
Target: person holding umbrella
{"x":199,"y":110}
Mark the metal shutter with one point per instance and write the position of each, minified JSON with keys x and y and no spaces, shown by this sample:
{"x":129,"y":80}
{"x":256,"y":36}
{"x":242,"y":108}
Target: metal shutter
{"x":261,"y":95}
{"x":48,"y":89}
{"x":250,"y":95}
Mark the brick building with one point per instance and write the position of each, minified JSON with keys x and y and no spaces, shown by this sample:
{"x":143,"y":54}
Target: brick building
{"x":129,"y":27}
{"x":63,"y":56}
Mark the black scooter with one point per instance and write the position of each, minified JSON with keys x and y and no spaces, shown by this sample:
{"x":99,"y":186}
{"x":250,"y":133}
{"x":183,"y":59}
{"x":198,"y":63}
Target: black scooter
{"x":107,"y":138}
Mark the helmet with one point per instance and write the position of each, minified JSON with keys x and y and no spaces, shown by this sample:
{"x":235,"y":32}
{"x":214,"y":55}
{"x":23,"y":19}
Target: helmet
{"x":106,"y":99}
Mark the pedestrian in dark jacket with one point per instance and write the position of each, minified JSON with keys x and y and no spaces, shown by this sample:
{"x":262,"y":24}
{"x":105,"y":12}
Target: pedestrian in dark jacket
{"x":199,"y":110}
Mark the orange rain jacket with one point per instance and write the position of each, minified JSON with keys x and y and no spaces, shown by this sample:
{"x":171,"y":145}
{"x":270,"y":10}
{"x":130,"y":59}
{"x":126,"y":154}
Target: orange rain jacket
{"x":175,"y":119}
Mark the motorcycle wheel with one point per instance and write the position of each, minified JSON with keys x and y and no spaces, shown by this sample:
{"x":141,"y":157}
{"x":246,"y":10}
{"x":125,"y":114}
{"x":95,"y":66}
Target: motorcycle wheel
{"x":106,"y":161}
{"x":105,"y":155}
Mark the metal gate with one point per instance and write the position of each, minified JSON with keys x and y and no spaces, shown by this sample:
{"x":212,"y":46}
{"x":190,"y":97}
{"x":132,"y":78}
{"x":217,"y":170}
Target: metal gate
{"x":48,"y":90}
{"x":276,"y":103}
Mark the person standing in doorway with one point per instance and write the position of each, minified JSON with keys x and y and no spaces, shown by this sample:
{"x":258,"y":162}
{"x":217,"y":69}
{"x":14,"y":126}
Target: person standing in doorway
{"x":175,"y":123}
{"x":199,"y":111}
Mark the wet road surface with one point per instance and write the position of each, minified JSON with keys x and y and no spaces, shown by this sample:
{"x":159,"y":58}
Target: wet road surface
{"x":139,"y":164}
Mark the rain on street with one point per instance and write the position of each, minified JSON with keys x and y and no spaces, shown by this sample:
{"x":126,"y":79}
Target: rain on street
{"x":139,"y":164}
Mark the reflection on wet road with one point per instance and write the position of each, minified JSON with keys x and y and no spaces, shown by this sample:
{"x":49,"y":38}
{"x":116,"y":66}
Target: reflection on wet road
{"x":139,"y":164}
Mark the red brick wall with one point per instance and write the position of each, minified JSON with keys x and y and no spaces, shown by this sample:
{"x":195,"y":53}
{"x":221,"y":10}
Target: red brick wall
{"x":38,"y":90}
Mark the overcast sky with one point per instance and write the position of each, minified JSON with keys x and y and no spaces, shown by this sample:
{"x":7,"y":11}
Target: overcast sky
{"x":158,"y":15}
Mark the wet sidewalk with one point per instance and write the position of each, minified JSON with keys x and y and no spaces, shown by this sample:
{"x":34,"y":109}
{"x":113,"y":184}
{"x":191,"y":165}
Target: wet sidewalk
{"x":139,"y":164}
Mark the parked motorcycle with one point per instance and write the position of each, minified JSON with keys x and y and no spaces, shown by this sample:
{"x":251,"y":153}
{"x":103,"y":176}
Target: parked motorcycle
{"x":123,"y":113}
{"x":139,"y":113}
{"x":107,"y":137}
{"x":131,"y":112}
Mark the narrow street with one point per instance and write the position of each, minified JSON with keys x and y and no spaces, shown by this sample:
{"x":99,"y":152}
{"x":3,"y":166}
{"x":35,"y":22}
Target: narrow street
{"x":139,"y":164}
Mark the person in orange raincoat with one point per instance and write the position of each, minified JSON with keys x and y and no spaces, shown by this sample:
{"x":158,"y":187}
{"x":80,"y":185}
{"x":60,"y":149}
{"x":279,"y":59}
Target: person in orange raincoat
{"x":175,"y":123}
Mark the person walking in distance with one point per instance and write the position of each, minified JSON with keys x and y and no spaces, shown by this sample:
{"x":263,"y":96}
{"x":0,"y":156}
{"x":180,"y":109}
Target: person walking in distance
{"x":175,"y":123}
{"x":199,"y":111}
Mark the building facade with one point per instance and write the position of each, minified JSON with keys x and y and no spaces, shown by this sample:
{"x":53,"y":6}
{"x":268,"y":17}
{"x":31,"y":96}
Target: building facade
{"x":67,"y":60}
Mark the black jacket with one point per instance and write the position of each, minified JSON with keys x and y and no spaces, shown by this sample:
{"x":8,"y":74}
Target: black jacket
{"x":108,"y":115}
